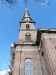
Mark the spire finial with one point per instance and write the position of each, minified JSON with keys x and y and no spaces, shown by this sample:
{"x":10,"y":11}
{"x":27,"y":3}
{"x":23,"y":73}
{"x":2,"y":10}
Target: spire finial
{"x":26,"y":13}
{"x":26,"y":16}
{"x":26,"y":9}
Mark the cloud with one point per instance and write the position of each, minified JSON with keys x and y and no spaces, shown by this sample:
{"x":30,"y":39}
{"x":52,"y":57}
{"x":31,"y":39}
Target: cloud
{"x":5,"y":72}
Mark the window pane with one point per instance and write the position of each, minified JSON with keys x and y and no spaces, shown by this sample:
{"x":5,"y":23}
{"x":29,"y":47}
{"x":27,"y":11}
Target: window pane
{"x":29,"y":37}
{"x":28,"y":67}
{"x":26,"y":37}
{"x":27,"y":26}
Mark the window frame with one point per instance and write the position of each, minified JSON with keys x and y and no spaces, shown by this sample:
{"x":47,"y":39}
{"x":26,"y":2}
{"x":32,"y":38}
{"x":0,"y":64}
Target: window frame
{"x":27,"y":26}
{"x":28,"y":36}
{"x":28,"y":67}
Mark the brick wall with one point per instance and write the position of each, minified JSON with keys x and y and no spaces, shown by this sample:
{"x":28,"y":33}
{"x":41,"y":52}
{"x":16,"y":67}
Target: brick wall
{"x":23,"y":31}
{"x":18,"y":67}
{"x":48,"y":48}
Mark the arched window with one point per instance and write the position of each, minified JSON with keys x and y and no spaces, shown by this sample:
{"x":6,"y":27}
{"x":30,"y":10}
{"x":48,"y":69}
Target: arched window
{"x":28,"y":67}
{"x":27,"y":36}
{"x":27,"y":26}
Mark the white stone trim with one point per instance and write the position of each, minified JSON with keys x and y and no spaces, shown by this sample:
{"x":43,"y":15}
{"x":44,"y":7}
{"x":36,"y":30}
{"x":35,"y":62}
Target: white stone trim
{"x":48,"y":37}
{"x":18,"y":50}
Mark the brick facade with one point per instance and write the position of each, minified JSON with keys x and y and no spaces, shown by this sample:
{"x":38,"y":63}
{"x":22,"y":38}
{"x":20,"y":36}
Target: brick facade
{"x":48,"y":48}
{"x":48,"y":51}
{"x":41,"y":49}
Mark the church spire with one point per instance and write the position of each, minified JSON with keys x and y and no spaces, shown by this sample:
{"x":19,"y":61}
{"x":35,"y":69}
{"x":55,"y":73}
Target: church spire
{"x":26,"y":17}
{"x":26,"y":13}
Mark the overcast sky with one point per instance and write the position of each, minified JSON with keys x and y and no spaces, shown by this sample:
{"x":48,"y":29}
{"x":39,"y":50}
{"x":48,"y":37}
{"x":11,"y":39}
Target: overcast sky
{"x":44,"y":16}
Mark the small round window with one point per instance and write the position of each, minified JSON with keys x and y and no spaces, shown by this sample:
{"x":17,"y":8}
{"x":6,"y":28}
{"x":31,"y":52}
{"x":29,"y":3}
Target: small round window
{"x":27,"y":26}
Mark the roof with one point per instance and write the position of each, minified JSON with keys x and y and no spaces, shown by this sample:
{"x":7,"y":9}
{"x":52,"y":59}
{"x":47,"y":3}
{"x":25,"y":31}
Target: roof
{"x":26,"y":17}
{"x":44,"y":30}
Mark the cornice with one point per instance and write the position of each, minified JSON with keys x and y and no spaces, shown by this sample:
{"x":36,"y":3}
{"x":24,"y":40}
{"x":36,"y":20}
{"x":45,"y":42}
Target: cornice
{"x":44,"y":30}
{"x":27,"y":30}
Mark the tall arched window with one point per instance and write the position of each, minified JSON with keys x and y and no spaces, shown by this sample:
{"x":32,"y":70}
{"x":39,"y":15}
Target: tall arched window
{"x":28,"y":67}
{"x":28,"y":36}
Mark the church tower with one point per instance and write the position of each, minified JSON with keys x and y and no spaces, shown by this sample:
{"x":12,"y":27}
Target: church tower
{"x":27,"y":29}
{"x":24,"y":51}
{"x":35,"y":51}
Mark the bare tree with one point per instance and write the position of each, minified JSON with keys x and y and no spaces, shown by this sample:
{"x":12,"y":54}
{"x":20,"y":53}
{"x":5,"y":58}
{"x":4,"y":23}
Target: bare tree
{"x":39,"y":1}
{"x":15,"y":2}
{"x":10,"y":3}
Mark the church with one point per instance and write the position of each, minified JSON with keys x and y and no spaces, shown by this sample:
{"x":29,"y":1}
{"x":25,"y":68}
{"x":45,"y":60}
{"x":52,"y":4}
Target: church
{"x":35,"y":51}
